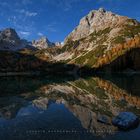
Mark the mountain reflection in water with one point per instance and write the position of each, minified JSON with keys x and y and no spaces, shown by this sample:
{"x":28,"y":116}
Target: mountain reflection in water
{"x":36,"y":108}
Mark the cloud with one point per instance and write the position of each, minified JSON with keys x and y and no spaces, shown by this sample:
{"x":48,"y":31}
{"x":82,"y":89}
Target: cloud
{"x":51,"y":27}
{"x":40,"y":34}
{"x":24,"y":33}
{"x":27,"y":13}
{"x":31,"y":14}
{"x":12,"y":19}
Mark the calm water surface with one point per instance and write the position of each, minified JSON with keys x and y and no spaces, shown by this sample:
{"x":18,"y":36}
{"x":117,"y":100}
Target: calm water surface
{"x":66,"y":108}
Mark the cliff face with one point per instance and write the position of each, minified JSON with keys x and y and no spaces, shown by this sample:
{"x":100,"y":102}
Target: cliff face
{"x":96,"y":20}
{"x":101,"y":39}
{"x":9,"y":40}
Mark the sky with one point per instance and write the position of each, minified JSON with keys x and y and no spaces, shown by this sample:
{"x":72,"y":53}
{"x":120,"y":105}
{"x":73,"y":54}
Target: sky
{"x":55,"y":19}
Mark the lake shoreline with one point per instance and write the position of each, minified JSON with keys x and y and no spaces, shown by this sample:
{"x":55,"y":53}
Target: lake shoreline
{"x":18,"y":73}
{"x":38,"y":73}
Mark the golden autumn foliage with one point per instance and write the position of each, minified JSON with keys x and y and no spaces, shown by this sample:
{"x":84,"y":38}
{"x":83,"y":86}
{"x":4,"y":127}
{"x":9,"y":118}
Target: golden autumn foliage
{"x":117,"y":51}
{"x":118,"y":93}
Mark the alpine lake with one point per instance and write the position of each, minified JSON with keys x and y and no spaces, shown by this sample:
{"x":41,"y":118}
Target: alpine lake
{"x":67,"y":108}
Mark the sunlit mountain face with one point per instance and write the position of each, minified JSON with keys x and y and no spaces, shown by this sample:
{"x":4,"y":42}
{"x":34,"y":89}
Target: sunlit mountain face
{"x":63,"y":108}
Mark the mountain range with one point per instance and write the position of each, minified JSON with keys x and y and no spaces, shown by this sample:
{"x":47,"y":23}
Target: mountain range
{"x":103,"y":41}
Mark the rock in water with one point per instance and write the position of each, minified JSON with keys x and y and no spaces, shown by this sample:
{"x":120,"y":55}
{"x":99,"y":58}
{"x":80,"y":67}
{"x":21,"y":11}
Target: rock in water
{"x":126,"y":120}
{"x":103,"y":119}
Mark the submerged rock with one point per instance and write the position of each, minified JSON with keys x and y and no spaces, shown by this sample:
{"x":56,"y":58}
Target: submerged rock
{"x":103,"y":119}
{"x":126,"y":120}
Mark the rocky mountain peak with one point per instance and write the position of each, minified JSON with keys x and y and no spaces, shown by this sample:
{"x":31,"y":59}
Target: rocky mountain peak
{"x":102,"y":10}
{"x":9,"y":34}
{"x":59,"y":44}
{"x":44,"y":39}
{"x":9,"y":40}
{"x":96,"y":20}
{"x":42,"y":43}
